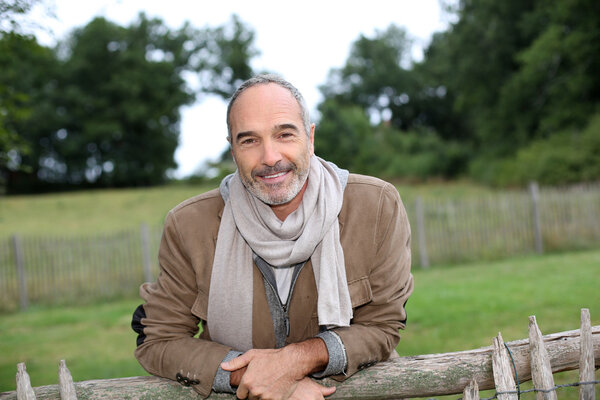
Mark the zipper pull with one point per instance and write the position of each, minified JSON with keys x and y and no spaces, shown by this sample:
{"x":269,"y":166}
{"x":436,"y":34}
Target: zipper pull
{"x":287,"y":325}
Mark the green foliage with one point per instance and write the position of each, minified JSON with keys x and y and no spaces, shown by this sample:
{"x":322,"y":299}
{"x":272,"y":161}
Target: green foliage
{"x":346,"y":137}
{"x":341,"y":134}
{"x":10,"y":13}
{"x":565,"y":157}
{"x":231,"y":47}
{"x":103,"y":108}
{"x":24,"y":99}
{"x":505,"y":75}
{"x":376,"y":77}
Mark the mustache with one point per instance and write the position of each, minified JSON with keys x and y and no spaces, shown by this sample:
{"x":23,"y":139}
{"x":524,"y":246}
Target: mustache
{"x":280,"y":166}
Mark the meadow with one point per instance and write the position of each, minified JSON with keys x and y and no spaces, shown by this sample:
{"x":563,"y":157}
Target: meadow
{"x":453,"y":308}
{"x":110,"y":210}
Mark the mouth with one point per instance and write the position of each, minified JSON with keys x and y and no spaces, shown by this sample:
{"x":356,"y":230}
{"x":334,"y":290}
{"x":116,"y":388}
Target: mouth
{"x":274,"y":178}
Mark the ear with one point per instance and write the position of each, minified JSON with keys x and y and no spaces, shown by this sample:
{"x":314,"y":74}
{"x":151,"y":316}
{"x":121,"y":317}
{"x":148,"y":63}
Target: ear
{"x":311,"y":138}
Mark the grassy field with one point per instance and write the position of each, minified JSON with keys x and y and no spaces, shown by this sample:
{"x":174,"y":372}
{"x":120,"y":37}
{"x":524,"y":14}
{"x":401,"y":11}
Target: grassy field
{"x":91,"y":211}
{"x":103,"y":211}
{"x":454,"y":308}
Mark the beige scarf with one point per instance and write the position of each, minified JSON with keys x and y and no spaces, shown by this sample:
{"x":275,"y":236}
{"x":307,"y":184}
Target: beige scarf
{"x":248,"y":225}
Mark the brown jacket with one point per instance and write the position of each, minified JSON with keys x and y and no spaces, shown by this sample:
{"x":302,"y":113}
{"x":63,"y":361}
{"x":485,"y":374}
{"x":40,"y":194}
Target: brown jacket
{"x":375,"y":236}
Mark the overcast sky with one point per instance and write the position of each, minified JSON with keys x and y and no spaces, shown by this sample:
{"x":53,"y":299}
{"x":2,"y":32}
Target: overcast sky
{"x":301,"y":40}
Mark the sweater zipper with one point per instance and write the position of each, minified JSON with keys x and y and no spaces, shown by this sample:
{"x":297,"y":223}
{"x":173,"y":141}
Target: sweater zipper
{"x":283,"y":306}
{"x":286,"y":318}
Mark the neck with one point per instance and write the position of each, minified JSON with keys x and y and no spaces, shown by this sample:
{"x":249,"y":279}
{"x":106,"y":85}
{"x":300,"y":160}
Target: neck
{"x":283,"y":210}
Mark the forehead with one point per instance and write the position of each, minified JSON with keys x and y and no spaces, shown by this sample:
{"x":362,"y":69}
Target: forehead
{"x":263,"y":106}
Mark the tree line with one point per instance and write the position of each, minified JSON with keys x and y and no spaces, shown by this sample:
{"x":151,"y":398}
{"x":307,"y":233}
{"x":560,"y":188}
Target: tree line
{"x":510,"y":92}
{"x":102,"y":107}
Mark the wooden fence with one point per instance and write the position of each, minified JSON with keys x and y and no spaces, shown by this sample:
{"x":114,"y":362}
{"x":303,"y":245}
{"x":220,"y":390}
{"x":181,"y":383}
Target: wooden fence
{"x":502,"y":366}
{"x":506,"y":224}
{"x":61,"y":269}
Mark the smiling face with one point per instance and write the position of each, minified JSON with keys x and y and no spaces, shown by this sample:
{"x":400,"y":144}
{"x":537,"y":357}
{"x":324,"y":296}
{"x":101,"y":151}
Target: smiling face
{"x":269,"y":144}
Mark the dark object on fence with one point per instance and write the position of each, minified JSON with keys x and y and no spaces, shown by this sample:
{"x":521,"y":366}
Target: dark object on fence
{"x":416,"y":376}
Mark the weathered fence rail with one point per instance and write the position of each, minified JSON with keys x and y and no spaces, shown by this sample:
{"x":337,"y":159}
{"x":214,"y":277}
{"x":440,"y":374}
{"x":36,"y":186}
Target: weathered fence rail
{"x":61,"y":269}
{"x":464,"y":372}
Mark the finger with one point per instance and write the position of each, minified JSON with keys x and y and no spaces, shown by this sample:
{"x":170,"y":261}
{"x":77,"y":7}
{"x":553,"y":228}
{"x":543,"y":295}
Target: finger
{"x":242,"y":391}
{"x":327,"y":390}
{"x":237,"y":363}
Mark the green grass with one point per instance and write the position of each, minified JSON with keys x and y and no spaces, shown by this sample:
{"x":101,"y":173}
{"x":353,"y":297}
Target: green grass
{"x":455,"y":308}
{"x":110,"y":210}
{"x":463,"y":307}
{"x":95,"y":340}
{"x":90,"y":211}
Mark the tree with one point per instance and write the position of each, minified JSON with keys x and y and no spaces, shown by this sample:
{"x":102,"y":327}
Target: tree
{"x":518,"y":71}
{"x":505,"y":76}
{"x":14,"y":99}
{"x":378,"y":107}
{"x":25,"y":86}
{"x":376,"y":77}
{"x":111,"y":107}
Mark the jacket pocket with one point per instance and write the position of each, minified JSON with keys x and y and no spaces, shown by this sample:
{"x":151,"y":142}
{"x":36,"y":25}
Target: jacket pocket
{"x":360,"y":291}
{"x":200,"y":307}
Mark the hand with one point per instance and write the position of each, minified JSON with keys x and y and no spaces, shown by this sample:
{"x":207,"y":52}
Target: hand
{"x":236,"y":376}
{"x":265,"y":374}
{"x":307,"y":389}
{"x":274,"y":374}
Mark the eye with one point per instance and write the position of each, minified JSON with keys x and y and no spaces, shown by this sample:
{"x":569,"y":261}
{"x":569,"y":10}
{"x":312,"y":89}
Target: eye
{"x":286,"y":135}
{"x":247,"y":141}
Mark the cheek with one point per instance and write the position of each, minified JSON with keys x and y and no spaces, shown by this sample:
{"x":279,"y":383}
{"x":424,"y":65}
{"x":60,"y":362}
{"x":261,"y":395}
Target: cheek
{"x":244,"y":160}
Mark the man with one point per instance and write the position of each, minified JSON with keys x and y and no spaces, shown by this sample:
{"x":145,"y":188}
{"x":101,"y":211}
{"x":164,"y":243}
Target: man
{"x":294,"y":268}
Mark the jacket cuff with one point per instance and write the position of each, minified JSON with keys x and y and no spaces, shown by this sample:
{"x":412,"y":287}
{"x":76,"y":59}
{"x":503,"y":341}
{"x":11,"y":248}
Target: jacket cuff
{"x":338,"y":360}
{"x":221,"y":383}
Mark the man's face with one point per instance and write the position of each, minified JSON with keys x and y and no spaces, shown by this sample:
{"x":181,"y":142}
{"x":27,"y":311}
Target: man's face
{"x":269,"y":143}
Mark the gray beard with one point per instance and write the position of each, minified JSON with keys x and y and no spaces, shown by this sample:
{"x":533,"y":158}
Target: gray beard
{"x":291,"y":192}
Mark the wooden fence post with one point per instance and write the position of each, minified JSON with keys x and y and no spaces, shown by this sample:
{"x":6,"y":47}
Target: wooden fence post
{"x":537,"y":227}
{"x":541,"y":371}
{"x":586,"y":358}
{"x":20,"y":266}
{"x":66,"y":387}
{"x":471,"y":392}
{"x":24,"y":389}
{"x":146,"y":252}
{"x":503,"y":376}
{"x":421,"y":232}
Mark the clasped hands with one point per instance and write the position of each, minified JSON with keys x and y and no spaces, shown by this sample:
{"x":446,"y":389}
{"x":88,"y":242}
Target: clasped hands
{"x":281,"y":373}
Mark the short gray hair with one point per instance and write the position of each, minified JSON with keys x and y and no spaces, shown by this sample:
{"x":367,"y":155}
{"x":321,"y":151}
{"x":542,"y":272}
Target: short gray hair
{"x":264,"y":79}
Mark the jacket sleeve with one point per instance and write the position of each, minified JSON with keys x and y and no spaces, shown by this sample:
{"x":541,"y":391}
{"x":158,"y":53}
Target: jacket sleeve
{"x":373,"y":332}
{"x":166,"y":325}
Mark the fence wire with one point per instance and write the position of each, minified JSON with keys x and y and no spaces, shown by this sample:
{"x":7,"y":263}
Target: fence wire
{"x":552,"y":389}
{"x":519,"y":392}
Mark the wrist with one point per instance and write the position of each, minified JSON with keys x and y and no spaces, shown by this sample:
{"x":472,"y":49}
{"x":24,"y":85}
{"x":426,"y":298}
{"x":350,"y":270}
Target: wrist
{"x":309,"y":356}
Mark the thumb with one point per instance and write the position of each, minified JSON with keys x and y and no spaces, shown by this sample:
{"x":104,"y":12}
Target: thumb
{"x":236,"y":363}
{"x":327,"y":390}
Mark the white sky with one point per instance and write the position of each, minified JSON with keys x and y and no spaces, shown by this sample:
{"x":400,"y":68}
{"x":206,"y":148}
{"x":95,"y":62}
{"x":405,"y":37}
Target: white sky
{"x":301,"y":40}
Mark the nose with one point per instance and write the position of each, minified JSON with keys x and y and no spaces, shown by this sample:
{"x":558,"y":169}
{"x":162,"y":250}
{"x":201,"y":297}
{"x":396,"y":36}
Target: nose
{"x":271,"y":154}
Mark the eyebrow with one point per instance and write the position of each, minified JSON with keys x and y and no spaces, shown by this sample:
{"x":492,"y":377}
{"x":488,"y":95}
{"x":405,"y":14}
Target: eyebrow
{"x":276,"y":128}
{"x":282,"y":127}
